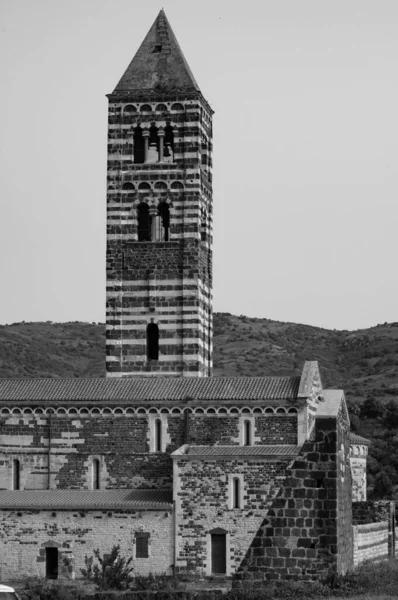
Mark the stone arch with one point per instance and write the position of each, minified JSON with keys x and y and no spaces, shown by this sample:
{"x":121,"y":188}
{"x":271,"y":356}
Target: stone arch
{"x":129,"y":108}
{"x":161,"y":108}
{"x":176,"y":185}
{"x":160,"y":185}
{"x":177,"y":106}
{"x":145,"y":108}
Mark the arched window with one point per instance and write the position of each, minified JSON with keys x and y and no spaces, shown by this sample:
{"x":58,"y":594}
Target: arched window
{"x":153,"y":145}
{"x":152,"y":341}
{"x":158,"y":435}
{"x":163,"y":222}
{"x":144,"y":223}
{"x":168,"y":152}
{"x":96,"y":474}
{"x":128,"y":186}
{"x":247,"y":433}
{"x":235,"y":492}
{"x":139,"y":146}
{"x":16,"y":475}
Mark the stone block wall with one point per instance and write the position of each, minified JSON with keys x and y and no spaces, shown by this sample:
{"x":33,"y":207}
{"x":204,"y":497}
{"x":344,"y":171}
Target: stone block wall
{"x":24,"y":535}
{"x":58,"y":451}
{"x":299,"y":536}
{"x":202,"y":491}
{"x":343,"y":494}
{"x":370,"y":542}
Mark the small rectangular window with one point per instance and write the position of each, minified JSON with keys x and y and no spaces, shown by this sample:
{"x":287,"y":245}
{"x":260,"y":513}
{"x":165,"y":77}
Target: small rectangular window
{"x":142,"y":545}
{"x":235,"y":493}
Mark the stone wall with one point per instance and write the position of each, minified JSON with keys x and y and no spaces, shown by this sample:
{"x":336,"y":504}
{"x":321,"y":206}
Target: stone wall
{"x":299,"y":537}
{"x":168,"y":281}
{"x":370,"y":542}
{"x":24,"y":535}
{"x":202,"y":490}
{"x":57,"y":451}
{"x":343,"y":494}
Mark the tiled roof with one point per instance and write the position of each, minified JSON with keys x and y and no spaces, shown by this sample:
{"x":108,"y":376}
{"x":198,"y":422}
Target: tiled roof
{"x":159,"y":64}
{"x":141,"y":390}
{"x":227,"y":451}
{"x":86,"y":499}
{"x":358,"y":439}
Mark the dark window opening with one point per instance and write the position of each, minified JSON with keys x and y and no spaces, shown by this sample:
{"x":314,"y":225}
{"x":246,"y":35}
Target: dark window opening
{"x":127,"y":186}
{"x":168,"y":152}
{"x":157,"y":48}
{"x":52,"y":563}
{"x":164,"y":222}
{"x":144,"y":223}
{"x":218,"y":553}
{"x":152,"y":341}
{"x":235,"y":492}
{"x":142,"y":545}
{"x":96,"y":474}
{"x":247,"y":433}
{"x":139,"y":146}
{"x":16,"y":474}
{"x":158,"y":435}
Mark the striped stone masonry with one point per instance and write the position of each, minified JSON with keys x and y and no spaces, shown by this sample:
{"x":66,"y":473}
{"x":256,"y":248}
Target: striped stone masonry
{"x":166,"y":282}
{"x":370,"y":542}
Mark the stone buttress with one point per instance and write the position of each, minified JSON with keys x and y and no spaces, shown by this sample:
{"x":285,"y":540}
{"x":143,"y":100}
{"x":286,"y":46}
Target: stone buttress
{"x":159,"y":216}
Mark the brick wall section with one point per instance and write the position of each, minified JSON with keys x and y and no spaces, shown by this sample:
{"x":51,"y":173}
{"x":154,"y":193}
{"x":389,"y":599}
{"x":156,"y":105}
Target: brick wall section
{"x":298,"y":538}
{"x":25,"y":534}
{"x":370,"y":542}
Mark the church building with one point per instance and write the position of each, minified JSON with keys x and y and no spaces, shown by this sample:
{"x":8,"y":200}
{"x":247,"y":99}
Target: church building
{"x":245,"y":478}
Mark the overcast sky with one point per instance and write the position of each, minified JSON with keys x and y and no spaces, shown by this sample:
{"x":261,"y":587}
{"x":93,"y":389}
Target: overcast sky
{"x":305,"y":94}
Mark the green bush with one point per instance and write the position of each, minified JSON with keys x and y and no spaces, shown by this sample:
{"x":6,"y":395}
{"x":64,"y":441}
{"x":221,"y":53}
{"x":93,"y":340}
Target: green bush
{"x":112,"y":572}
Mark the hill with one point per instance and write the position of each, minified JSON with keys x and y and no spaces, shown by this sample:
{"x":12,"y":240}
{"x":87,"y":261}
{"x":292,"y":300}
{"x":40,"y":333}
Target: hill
{"x":364,"y":363}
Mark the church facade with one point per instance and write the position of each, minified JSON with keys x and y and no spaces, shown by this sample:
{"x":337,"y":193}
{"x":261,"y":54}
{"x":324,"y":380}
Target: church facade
{"x":248,"y":478}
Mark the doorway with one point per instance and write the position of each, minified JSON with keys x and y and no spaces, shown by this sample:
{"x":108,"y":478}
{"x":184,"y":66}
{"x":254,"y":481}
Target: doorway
{"x":218,"y":553}
{"x":52,"y":563}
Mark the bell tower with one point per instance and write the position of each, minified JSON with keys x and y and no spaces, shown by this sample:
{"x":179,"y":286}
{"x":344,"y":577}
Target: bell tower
{"x":159,"y":216}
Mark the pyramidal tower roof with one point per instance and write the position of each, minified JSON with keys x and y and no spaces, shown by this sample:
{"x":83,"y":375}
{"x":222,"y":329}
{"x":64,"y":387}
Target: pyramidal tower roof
{"x":159,"y":65}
